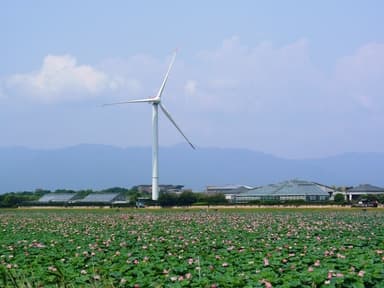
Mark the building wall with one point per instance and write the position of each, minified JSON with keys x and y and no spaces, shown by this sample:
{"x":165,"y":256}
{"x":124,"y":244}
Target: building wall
{"x":249,"y":198}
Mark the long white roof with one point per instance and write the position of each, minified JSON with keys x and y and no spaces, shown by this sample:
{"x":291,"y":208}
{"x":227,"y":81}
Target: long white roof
{"x":56,"y":197}
{"x":291,"y":187}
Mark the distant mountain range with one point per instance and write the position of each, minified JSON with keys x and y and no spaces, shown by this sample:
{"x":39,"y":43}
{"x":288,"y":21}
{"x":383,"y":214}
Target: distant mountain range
{"x":99,"y":166}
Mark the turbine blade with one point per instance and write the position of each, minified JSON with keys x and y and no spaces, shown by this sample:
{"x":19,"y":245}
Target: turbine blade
{"x":166,"y":76}
{"x":148,"y":100}
{"x":174,"y":123}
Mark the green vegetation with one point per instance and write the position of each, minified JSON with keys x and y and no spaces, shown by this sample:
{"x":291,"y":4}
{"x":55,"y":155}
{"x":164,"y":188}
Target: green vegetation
{"x":188,"y":198}
{"x":204,"y":248}
{"x":371,"y":198}
{"x":10,"y":200}
{"x":339,"y":198}
{"x":27,"y":198}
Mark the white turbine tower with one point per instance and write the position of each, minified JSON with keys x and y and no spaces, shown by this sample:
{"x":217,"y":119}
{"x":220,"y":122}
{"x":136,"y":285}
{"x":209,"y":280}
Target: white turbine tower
{"x":156,"y":102}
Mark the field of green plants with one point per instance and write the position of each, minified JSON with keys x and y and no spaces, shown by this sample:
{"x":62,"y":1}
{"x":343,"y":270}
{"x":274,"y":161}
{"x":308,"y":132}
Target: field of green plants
{"x":185,"y":248}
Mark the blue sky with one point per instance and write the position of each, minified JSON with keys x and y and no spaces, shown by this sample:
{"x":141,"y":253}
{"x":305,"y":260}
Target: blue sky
{"x":296,"y":79}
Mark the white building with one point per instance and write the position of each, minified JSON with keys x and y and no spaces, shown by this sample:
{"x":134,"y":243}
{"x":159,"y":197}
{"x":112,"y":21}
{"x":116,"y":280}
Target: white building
{"x":362,"y":190}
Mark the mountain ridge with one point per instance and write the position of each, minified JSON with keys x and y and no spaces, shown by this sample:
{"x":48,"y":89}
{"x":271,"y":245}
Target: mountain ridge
{"x":94,"y":166}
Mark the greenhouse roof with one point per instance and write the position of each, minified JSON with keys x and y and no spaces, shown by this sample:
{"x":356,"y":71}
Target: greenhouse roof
{"x":56,"y":197}
{"x":366,"y":188}
{"x":291,"y":187}
{"x":100,"y":197}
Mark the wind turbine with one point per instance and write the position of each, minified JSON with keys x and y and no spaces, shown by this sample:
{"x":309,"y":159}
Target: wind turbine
{"x":156,"y":102}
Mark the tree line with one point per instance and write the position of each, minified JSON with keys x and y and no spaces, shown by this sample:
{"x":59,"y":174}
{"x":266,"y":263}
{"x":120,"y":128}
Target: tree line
{"x":188,"y":198}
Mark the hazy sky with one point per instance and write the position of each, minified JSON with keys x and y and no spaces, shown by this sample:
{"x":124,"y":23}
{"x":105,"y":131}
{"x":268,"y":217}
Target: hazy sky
{"x":290,"y":78}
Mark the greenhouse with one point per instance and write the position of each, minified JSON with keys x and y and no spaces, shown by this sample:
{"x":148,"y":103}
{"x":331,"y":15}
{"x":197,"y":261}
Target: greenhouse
{"x":292,"y":190}
{"x":57,"y":198}
{"x":103,"y":198}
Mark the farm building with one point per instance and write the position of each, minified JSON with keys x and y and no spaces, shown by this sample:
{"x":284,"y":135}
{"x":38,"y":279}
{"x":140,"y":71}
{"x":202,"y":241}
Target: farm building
{"x":228,"y":190}
{"x":286,"y":191}
{"x":73,"y":198}
{"x":168,"y":188}
{"x":362,"y":190}
{"x":107,"y":198}
{"x":57,"y":198}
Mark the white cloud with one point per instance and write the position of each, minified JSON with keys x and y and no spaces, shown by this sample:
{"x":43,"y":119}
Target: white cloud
{"x":264,"y":78}
{"x":255,"y":96}
{"x":190,"y":87}
{"x":359,"y":77}
{"x":235,"y":76}
{"x":61,"y":78}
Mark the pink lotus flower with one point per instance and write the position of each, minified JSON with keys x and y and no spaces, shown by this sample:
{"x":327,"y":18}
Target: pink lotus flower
{"x":266,"y":283}
{"x":37,"y":245}
{"x":188,"y":276}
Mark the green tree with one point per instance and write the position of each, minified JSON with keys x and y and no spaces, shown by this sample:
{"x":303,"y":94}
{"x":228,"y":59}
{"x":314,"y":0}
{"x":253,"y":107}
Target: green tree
{"x":167,"y":199}
{"x":11,"y":200}
{"x":216,"y":199}
{"x":371,"y":197}
{"x":339,"y":198}
{"x":186,"y":198}
{"x":64,"y":191}
{"x":116,"y":190}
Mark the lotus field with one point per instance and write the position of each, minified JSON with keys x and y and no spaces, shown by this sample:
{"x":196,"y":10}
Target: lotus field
{"x":187,"y":248}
